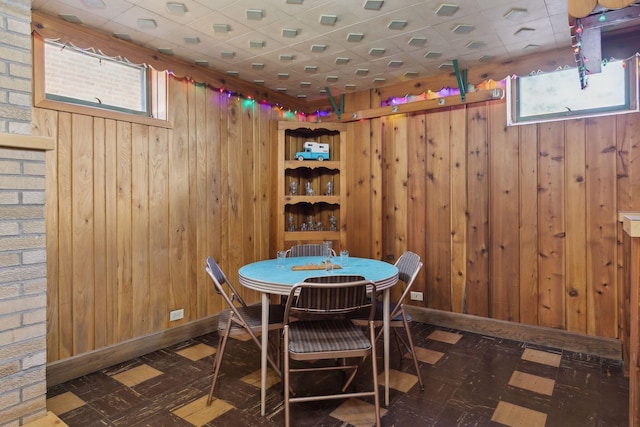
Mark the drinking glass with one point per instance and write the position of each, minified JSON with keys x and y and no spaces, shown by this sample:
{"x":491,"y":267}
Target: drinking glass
{"x":344,"y":258}
{"x":281,"y":255}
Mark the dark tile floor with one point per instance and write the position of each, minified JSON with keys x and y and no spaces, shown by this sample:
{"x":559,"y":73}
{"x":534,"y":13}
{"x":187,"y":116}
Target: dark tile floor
{"x":470,"y":380}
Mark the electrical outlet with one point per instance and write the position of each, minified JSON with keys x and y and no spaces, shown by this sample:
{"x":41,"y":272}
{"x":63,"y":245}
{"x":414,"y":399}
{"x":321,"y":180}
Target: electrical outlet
{"x":176,"y":315}
{"x":416,"y":296}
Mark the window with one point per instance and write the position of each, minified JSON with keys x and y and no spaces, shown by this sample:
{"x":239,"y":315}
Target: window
{"x":558,"y":95}
{"x":76,"y":80}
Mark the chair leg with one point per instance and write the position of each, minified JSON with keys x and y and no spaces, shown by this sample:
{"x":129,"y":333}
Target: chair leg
{"x":374,"y":370}
{"x":287,"y":410}
{"x":222,"y":343}
{"x":411,"y":348}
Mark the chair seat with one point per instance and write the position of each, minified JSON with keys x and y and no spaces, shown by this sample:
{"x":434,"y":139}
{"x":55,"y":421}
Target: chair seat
{"x":252,"y":314}
{"x":327,"y":336}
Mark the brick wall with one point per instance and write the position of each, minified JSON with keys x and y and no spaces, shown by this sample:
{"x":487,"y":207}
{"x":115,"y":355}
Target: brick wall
{"x":22,"y":231}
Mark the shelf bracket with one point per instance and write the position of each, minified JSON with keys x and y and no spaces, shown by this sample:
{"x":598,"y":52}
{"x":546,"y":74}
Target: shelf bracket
{"x":462,"y":80}
{"x":339,"y":110}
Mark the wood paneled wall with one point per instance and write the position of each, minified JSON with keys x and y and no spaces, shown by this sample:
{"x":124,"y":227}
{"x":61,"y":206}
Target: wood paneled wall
{"x":513,"y":223}
{"x":133,"y":210}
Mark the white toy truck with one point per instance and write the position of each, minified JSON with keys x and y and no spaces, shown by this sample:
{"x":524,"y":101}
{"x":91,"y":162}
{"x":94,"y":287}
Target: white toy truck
{"x":313,"y":151}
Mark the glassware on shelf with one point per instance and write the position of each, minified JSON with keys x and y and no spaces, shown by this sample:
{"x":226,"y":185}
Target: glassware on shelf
{"x":329,"y":188}
{"x":291,"y":226}
{"x":309,"y":189}
{"x":303,"y":226}
{"x":310,"y":226}
{"x":293,"y":188}
{"x":319,"y":226}
{"x":333,"y":223}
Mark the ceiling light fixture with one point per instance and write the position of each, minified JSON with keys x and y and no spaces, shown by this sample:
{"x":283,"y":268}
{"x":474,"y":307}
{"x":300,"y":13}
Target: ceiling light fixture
{"x":305,"y":85}
{"x":123,"y":36}
{"x":445,"y":66}
{"x":432,"y":54}
{"x":286,"y":57}
{"x":417,"y":41}
{"x":475,"y":44}
{"x":524,"y":32}
{"x":258,"y":44}
{"x":516,"y":13}
{"x":281,"y":89}
{"x":289,"y":32}
{"x":328,"y":19}
{"x":318,"y":47}
{"x":257,"y":66}
{"x":191,"y":39}
{"x":463,"y":29}
{"x":94,"y":4}
{"x":70,"y":18}
{"x":379,"y":80}
{"x":395,"y":64}
{"x":310,"y":69}
{"x":397,"y":24}
{"x":411,"y":74}
{"x":355,"y":37}
{"x":255,"y":14}
{"x":485,"y":58}
{"x":531,"y":47}
{"x":350,"y":86}
{"x":259,"y":82}
{"x":294,"y":1}
{"x":332,"y":79}
{"x":176,"y":8}
{"x":362,"y":71}
{"x":227,"y":54}
{"x":221,"y":28}
{"x":202,"y":62}
{"x":147,"y":24}
{"x":233,"y":73}
{"x":165,"y":50}
{"x":283,"y":76}
{"x":342,"y":60}
{"x":376,"y":51}
{"x":373,"y":4}
{"x":446,"y":9}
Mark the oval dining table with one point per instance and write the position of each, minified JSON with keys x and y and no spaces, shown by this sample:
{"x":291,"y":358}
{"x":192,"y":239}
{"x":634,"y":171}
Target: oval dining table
{"x":271,"y":278}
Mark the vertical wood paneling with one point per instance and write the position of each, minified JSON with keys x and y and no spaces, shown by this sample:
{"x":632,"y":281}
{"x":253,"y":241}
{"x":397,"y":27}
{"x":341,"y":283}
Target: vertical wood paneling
{"x":237,"y":232}
{"x":376,"y":189}
{"x":601,"y":226}
{"x":82,"y":239}
{"x":179,"y":198}
{"x":398,"y":185}
{"x":628,"y":161}
{"x":46,"y":124}
{"x":551,"y":224}
{"x":575,"y":225}
{"x":201,"y":283}
{"x":123,"y":232}
{"x":388,"y":192}
{"x":416,"y":194}
{"x":215,"y":191}
{"x":477,"y":258}
{"x":140,"y":262}
{"x":65,"y":234}
{"x":190,"y":307}
{"x":438,"y":209}
{"x":528,"y":237}
{"x":159,"y":233}
{"x":111,"y":224}
{"x":504,"y":254}
{"x":458,"y":190}
{"x":100,"y":233}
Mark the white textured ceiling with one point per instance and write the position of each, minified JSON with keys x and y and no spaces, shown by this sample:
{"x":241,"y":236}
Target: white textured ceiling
{"x":383,"y":57}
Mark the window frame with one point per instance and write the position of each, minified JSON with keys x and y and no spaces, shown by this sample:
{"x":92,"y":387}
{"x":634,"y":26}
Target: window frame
{"x":157,"y":82}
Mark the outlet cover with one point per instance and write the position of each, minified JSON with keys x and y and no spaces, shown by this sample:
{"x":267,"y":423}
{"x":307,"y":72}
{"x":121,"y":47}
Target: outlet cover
{"x":416,"y":296}
{"x":176,"y":315}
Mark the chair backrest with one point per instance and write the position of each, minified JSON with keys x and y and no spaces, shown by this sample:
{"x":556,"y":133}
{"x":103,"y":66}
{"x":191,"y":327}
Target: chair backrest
{"x":409,"y":265}
{"x":307,"y":249}
{"x":219,"y":280}
{"x":331,"y":295}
